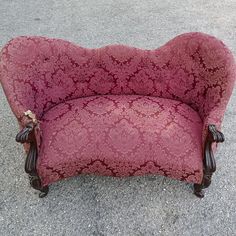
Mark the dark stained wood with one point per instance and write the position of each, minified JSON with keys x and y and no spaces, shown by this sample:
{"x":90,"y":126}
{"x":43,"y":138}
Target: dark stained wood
{"x":27,"y":135}
{"x":209,"y":164}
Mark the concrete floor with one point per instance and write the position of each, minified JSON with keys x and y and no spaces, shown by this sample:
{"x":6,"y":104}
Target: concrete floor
{"x":88,"y":205}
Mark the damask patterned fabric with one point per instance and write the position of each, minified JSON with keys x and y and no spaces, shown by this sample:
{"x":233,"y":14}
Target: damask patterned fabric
{"x":121,"y":135}
{"x":196,"y":69}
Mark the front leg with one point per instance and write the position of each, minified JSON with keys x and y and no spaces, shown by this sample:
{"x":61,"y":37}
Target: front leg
{"x":27,"y":135}
{"x":209,"y":164}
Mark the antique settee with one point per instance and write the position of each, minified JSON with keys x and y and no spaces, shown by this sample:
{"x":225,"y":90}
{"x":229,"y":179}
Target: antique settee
{"x":118,"y":110}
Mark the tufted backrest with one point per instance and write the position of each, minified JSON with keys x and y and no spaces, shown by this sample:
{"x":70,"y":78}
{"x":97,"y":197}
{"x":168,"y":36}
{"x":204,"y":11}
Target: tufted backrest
{"x":38,"y":73}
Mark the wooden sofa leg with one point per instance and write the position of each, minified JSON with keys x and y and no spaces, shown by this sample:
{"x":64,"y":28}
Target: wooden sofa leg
{"x":44,"y":192}
{"x":36,"y":184}
{"x":198,"y":190}
{"x":209,"y":164}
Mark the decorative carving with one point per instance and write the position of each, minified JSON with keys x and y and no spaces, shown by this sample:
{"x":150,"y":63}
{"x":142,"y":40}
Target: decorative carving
{"x":209,"y":164}
{"x":27,"y":135}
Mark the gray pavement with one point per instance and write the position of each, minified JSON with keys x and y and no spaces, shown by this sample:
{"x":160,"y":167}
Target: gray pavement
{"x":90,"y":205}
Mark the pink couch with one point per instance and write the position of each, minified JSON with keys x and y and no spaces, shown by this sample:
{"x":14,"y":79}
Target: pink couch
{"x":118,"y":110}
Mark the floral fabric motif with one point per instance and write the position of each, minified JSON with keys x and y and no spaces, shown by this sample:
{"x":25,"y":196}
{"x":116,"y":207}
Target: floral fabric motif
{"x":42,"y":74}
{"x":120,"y":135}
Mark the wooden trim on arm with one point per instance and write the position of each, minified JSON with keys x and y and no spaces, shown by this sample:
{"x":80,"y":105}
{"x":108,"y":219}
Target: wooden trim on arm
{"x":27,"y":135}
{"x":209,"y":163}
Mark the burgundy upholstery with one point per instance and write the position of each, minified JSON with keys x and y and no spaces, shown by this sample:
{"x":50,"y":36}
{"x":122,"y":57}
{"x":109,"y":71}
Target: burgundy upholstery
{"x":119,"y":110}
{"x":121,"y":135}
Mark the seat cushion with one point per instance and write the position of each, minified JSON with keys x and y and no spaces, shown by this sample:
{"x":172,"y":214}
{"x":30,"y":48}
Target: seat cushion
{"x":118,"y":135}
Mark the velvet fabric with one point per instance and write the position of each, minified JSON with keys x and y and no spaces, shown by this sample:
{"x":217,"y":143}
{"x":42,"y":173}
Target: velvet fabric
{"x":91,"y":98}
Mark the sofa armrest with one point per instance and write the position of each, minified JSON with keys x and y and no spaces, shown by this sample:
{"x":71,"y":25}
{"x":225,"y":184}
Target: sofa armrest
{"x":212,"y":73}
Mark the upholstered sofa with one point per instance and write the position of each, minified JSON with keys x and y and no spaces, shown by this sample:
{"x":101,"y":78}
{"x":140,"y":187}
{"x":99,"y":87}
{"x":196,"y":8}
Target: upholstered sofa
{"x":118,"y":110}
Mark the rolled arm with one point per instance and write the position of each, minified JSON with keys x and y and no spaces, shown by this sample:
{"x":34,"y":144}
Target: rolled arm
{"x":38,"y":73}
{"x":212,"y":71}
{"x":218,"y":89}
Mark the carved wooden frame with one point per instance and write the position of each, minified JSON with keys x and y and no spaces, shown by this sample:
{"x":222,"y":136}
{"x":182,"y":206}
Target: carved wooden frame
{"x":27,"y":135}
{"x":209,"y":163}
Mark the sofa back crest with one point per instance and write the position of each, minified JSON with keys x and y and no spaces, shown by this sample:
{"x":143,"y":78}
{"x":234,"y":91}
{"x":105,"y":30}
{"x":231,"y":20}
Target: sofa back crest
{"x":38,"y":73}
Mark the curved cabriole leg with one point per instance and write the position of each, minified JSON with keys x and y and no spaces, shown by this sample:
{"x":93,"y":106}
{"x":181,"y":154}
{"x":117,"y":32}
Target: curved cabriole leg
{"x":209,"y":163}
{"x":27,"y":135}
{"x":36,"y":184}
{"x":198,"y":190}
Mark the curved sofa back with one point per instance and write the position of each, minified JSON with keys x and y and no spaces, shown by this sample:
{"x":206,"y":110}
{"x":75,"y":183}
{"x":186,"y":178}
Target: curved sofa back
{"x":38,"y":73}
